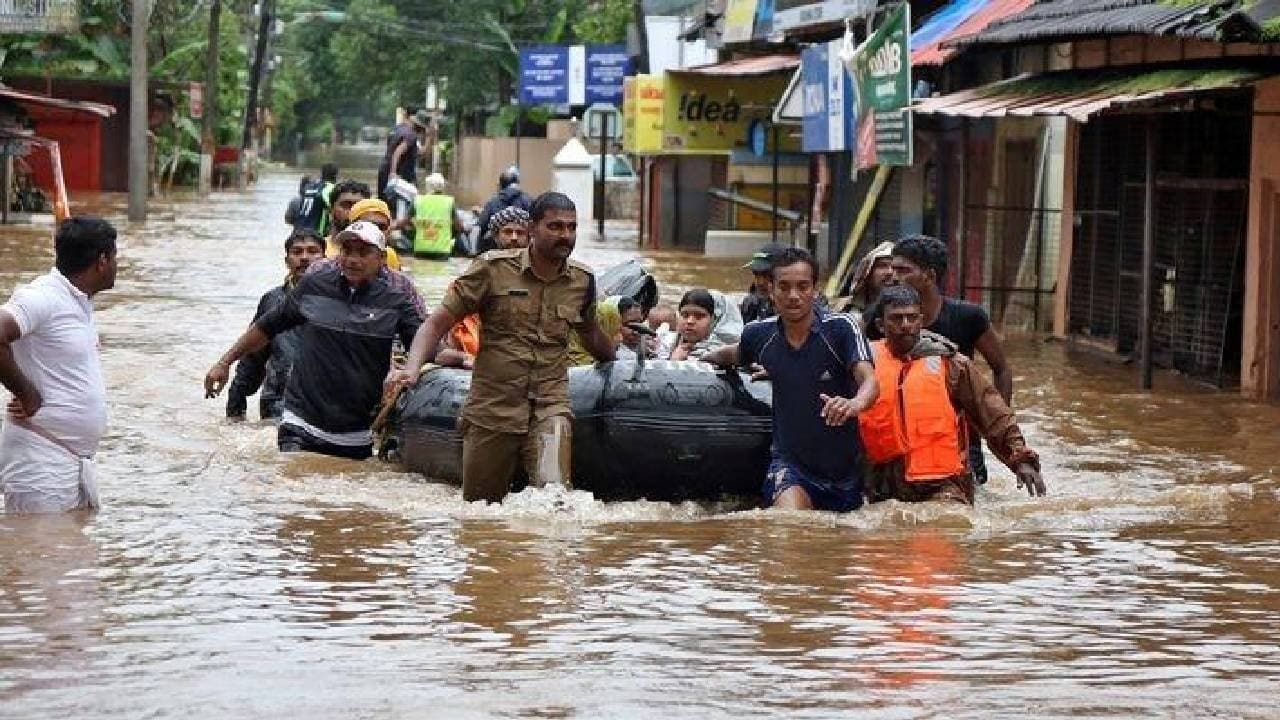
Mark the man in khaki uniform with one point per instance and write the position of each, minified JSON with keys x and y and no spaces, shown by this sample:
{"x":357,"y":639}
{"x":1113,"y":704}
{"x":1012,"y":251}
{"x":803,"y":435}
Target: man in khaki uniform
{"x":528,"y":299}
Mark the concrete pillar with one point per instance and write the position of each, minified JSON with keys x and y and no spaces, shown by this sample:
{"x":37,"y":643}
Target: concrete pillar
{"x":573,"y":176}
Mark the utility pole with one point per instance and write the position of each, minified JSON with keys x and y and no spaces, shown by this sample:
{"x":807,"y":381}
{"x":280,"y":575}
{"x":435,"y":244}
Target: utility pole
{"x":208,"y":136}
{"x":138,"y":178}
{"x":265,"y":10}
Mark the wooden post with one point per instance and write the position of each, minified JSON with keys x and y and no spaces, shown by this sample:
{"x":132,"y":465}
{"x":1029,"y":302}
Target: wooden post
{"x":1148,"y":255}
{"x":1067,"y":230}
{"x":962,"y":214}
{"x":773,"y":218}
{"x":255,"y":80}
{"x":209,"y":130}
{"x":138,"y":106}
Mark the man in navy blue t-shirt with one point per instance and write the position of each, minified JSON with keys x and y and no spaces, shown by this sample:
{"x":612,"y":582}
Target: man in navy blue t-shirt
{"x":820,"y":367}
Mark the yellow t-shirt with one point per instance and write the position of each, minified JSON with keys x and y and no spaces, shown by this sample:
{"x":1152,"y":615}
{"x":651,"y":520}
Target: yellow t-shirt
{"x":332,"y":250}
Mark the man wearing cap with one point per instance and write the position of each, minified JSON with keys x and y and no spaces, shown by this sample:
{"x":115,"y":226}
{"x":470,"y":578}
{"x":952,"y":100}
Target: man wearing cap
{"x":348,"y":316}
{"x":757,"y":305}
{"x":376,"y":212}
{"x":517,"y":411}
{"x":401,"y":157}
{"x":363,"y":208}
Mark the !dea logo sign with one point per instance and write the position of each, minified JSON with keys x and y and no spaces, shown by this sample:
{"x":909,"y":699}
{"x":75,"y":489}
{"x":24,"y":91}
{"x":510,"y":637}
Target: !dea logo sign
{"x":698,"y":107}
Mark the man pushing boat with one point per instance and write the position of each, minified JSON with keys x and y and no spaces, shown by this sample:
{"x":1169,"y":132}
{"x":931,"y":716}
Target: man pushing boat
{"x":528,"y":299}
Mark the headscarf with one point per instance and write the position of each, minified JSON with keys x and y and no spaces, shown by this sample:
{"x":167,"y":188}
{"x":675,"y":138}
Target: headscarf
{"x":610,"y":321}
{"x":506,"y":216}
{"x":862,"y":273}
{"x":726,"y":320}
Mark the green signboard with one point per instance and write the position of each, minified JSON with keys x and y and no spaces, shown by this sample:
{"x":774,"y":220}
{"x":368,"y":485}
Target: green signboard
{"x":882,"y":73}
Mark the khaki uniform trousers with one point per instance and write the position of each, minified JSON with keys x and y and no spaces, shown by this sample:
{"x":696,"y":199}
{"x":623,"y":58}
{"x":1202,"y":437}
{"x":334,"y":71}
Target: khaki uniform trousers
{"x":490,"y":457}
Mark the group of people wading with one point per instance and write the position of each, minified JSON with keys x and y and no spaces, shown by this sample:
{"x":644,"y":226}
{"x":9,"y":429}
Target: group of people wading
{"x":901,"y":417}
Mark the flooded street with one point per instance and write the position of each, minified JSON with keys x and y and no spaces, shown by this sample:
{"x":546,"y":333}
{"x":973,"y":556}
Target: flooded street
{"x":224,"y":580}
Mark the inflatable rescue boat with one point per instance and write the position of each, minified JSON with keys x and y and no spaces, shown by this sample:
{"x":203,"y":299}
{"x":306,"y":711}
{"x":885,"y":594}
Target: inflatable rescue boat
{"x":658,"y":430}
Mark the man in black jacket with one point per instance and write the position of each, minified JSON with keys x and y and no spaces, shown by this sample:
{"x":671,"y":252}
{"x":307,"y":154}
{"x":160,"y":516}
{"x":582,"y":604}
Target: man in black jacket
{"x":269,"y":368}
{"x":348,"y":316}
{"x":509,"y":195}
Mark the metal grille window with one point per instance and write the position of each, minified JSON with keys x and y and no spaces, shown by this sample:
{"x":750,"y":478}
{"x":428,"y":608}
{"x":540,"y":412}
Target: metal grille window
{"x":1012,"y":233}
{"x":1201,"y":205}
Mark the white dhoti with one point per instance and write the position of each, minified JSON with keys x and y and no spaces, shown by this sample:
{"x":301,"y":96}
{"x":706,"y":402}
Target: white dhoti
{"x":40,"y":476}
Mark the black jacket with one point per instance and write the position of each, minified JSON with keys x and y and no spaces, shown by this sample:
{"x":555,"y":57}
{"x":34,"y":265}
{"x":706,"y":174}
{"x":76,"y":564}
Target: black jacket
{"x":344,"y":349}
{"x":506,"y":197}
{"x":267,"y":369}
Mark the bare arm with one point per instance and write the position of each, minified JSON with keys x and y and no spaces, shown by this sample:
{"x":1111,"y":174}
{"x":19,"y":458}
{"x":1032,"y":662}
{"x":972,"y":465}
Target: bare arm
{"x":725,"y":356}
{"x":596,"y":342}
{"x":253,"y":340}
{"x":840,"y":410}
{"x":396,"y":154}
{"x":993,"y":351}
{"x":26,"y":396}
{"x":426,"y":342}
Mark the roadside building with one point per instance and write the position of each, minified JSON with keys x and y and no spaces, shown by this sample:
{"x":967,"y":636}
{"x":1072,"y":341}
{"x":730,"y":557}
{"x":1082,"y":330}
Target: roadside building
{"x":1108,"y":151}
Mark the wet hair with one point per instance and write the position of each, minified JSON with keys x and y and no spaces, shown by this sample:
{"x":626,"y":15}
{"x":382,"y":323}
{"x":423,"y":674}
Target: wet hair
{"x":329,"y":172}
{"x":897,"y":296}
{"x":929,"y":253}
{"x":302,"y":235}
{"x":791,"y":256}
{"x":354,"y":187}
{"x":548,"y":201}
{"x":625,"y":304}
{"x":80,"y":241}
{"x":701,"y":298}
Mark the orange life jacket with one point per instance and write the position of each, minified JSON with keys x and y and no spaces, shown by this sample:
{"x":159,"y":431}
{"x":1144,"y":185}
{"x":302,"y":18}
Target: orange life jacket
{"x":914,"y":417}
{"x":467,"y":334}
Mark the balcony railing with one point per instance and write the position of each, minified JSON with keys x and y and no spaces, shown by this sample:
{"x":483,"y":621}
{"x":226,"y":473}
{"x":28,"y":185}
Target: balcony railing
{"x":39,"y":16}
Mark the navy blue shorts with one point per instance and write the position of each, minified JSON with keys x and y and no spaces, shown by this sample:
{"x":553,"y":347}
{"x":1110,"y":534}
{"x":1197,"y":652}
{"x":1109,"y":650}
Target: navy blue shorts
{"x":837,"y":497}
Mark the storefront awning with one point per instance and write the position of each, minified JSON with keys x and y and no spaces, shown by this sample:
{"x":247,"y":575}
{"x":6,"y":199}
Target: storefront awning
{"x":746,"y":67}
{"x":99,"y":109}
{"x":958,"y":19}
{"x":1082,"y":94}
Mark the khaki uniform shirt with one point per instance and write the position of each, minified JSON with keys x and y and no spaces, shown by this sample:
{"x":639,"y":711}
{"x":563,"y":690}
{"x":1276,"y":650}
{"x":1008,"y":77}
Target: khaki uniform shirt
{"x":521,"y":373}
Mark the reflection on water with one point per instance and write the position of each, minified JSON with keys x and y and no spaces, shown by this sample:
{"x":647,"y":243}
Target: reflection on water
{"x":224,"y":580}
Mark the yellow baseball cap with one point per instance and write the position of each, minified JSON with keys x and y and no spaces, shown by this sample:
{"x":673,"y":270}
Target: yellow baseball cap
{"x":366,"y":206}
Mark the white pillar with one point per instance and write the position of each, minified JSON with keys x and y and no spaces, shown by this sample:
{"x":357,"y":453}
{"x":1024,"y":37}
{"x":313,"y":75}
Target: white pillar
{"x":573,"y":177}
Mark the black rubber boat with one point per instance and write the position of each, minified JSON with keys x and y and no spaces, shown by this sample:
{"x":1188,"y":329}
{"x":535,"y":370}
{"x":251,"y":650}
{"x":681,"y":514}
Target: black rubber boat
{"x":661,"y":431}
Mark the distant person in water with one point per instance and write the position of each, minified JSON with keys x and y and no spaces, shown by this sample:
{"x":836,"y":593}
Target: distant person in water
{"x":269,"y":368}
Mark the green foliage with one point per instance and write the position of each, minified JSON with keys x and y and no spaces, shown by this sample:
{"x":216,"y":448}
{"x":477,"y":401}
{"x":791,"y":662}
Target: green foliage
{"x":605,"y":23}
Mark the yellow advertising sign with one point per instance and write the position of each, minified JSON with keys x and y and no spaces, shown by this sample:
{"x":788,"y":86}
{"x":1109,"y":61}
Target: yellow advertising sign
{"x":629,"y":115}
{"x":710,"y":114}
{"x":644,"y":123}
{"x":739,"y":21}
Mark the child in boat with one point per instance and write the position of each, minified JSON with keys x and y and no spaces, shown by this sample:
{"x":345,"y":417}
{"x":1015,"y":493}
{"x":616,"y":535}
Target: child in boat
{"x":707,"y":321}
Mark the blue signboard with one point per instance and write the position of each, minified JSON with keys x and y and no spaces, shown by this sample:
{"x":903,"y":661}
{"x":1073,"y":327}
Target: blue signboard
{"x":544,"y":75}
{"x":828,"y":100}
{"x":764,"y":20}
{"x":607,"y":65}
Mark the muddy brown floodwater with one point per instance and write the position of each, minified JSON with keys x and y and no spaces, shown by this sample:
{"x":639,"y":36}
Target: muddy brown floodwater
{"x":225,"y":580}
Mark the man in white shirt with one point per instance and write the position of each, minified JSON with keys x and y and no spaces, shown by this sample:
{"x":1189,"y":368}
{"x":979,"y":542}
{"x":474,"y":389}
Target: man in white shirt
{"x":49,"y":361}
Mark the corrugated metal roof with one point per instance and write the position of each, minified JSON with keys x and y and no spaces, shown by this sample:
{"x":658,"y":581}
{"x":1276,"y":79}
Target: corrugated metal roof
{"x":1064,"y":19}
{"x":747,"y":66}
{"x":1081,"y":95}
{"x":93,"y":108}
{"x":958,"y":19}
